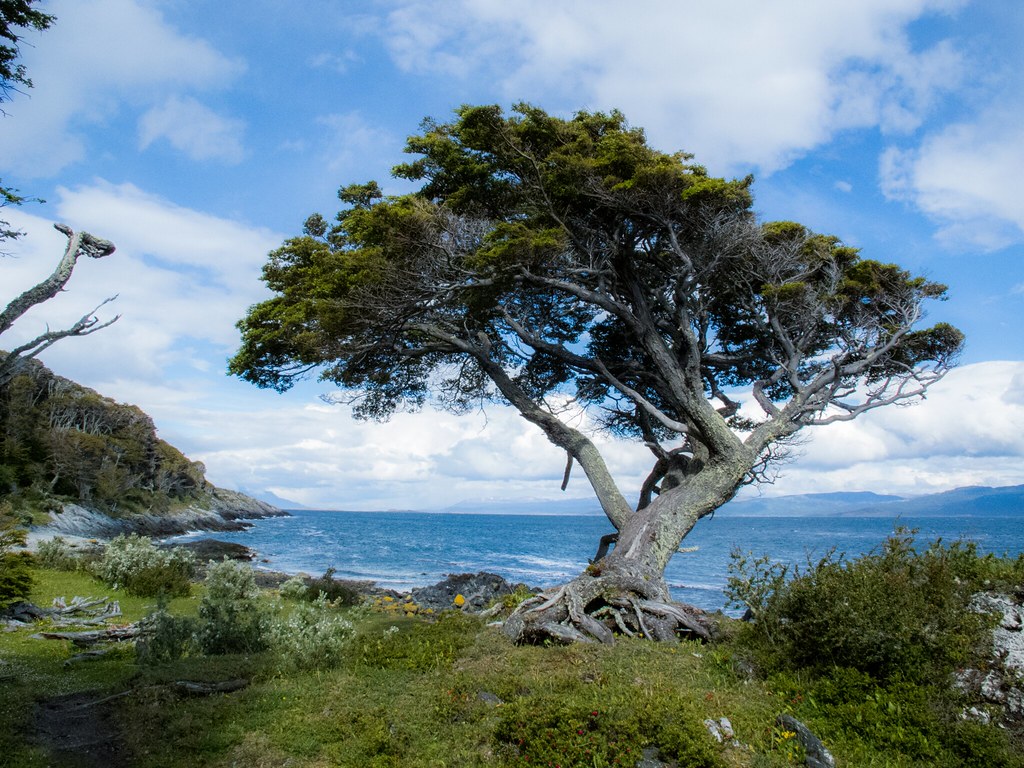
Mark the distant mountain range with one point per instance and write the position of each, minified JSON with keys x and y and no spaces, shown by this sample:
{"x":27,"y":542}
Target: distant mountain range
{"x":962,"y":502}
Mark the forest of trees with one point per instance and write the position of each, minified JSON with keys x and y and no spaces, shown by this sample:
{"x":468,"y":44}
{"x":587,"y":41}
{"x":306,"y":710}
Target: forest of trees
{"x":63,"y":441}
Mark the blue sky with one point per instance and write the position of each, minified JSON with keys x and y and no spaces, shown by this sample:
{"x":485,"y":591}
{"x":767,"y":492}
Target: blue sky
{"x":197,"y":136}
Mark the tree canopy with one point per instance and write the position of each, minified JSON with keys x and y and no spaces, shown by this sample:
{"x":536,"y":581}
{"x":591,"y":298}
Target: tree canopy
{"x":543,"y":255}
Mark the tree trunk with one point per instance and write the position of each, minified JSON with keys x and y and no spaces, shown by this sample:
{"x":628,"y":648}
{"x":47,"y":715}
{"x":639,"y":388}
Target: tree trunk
{"x":624,"y":593}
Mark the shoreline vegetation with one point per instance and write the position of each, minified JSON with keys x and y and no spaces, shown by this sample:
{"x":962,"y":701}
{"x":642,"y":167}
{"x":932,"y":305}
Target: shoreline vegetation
{"x":890,"y":659}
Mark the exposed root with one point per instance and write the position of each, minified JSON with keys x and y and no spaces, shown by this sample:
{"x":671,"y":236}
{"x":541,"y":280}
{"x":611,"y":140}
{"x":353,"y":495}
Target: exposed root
{"x":597,"y":608}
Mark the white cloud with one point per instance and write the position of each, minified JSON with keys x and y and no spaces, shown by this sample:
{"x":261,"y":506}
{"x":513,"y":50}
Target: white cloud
{"x":351,"y":144}
{"x":967,"y":177}
{"x":743,"y":83}
{"x":101,"y":56}
{"x":183,"y":278}
{"x":969,"y":431}
{"x":193,"y":129}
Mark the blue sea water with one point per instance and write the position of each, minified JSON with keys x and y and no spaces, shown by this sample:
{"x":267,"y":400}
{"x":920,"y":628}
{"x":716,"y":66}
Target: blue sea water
{"x":401,"y":550}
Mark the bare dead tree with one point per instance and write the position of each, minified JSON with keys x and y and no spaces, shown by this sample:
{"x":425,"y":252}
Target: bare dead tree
{"x":79,"y":244}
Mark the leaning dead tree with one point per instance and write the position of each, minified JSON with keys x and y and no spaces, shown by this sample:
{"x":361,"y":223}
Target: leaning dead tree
{"x":79,"y":244}
{"x":545,"y":260}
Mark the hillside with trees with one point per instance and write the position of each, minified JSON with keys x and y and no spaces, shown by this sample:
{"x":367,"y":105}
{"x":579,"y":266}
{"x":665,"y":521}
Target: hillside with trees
{"x":62,"y":443}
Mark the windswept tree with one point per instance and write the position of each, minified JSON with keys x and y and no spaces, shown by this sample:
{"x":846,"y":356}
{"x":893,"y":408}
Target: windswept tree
{"x":79,"y":244}
{"x":543,"y":256}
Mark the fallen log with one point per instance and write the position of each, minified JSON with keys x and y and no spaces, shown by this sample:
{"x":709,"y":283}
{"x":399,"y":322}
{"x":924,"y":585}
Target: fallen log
{"x":85,"y":639}
{"x":198,"y":688}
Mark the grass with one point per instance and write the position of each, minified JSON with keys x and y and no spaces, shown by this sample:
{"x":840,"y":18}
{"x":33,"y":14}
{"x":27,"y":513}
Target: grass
{"x":426,"y":691}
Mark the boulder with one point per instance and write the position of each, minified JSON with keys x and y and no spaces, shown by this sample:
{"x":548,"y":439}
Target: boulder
{"x":478,"y":591}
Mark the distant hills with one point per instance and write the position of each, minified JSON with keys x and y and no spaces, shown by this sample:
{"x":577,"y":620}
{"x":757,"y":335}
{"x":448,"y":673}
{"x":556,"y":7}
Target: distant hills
{"x":977,"y":501}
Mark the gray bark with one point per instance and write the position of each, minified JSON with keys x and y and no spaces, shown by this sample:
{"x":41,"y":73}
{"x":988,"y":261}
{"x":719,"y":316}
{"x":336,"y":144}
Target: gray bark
{"x":79,"y":244}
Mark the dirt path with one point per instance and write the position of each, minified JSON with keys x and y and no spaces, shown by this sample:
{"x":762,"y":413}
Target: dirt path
{"x":80,"y":731}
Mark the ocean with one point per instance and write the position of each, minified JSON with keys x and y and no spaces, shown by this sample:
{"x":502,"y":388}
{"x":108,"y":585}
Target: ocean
{"x":401,"y":550}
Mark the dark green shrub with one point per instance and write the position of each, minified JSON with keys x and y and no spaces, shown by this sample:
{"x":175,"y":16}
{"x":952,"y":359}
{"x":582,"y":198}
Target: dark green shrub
{"x":15,"y":567}
{"x":865,"y":650}
{"x":896,"y":613}
{"x":559,"y":730}
{"x":337,"y":592}
{"x":168,"y":638}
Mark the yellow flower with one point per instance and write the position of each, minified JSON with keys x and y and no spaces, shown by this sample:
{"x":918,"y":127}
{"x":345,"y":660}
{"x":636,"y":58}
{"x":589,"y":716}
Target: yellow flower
{"x":460,"y":601}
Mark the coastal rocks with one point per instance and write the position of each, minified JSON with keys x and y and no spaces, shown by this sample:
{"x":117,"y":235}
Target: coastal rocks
{"x":223,"y":511}
{"x":477,"y":590}
{"x":1002,"y":684}
{"x":206,"y":550}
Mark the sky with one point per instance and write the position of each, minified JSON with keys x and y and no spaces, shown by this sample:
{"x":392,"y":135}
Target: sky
{"x":198,"y":136}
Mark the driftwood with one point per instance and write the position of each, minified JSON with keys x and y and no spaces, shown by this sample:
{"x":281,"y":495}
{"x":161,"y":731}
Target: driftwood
{"x":85,"y":639}
{"x":198,"y":688}
{"x":96,"y":653}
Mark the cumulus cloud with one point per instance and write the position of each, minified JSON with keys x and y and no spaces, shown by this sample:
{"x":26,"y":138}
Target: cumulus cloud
{"x":194,"y":130}
{"x":966,"y":177}
{"x":969,"y":431}
{"x":740,"y":84}
{"x":182,"y":279}
{"x":101,"y":56}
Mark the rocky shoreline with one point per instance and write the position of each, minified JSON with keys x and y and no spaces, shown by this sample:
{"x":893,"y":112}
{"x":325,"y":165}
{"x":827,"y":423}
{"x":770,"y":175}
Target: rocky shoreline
{"x":224,"y":511}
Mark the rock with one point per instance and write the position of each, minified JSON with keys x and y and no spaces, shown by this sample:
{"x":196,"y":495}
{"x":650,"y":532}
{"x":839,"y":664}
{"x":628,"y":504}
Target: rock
{"x":206,"y":550}
{"x":977,"y":715}
{"x":489,"y":699}
{"x":650,"y":759}
{"x":721,"y":730}
{"x":222,"y":510}
{"x":477,"y":590}
{"x":815,"y":753}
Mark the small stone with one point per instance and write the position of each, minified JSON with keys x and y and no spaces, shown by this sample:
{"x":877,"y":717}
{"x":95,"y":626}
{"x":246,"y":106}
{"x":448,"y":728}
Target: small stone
{"x":489,"y":699}
{"x":815,"y":753}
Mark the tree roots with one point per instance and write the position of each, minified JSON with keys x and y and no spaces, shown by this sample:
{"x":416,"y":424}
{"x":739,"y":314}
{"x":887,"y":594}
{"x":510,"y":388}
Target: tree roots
{"x":596,"y":608}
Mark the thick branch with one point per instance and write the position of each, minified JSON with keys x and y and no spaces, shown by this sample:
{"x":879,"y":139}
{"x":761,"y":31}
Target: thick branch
{"x":79,"y":244}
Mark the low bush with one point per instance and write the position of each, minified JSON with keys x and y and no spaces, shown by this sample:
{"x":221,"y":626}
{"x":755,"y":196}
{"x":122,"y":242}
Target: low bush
{"x":15,"y":567}
{"x":418,"y":646}
{"x":866,"y":648}
{"x":313,"y":636}
{"x":231,"y":616}
{"x":169,"y":637}
{"x":133,"y":563}
{"x":895,"y":613}
{"x":580,"y":731}
{"x":294,"y":588}
{"x":57,"y":555}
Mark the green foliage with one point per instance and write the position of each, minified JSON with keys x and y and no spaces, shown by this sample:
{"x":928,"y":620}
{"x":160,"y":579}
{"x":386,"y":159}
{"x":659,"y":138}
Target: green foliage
{"x":313,"y":636}
{"x":15,"y":567}
{"x":57,"y":555}
{"x":867,"y":647}
{"x":294,"y":588}
{"x":894,"y":613}
{"x":333,"y":590}
{"x":417,"y":646}
{"x":133,"y":563}
{"x":530,"y":231}
{"x":169,"y":637}
{"x":231,"y":617}
{"x":557,"y":730}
